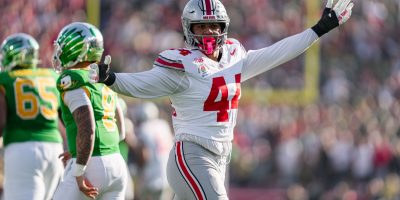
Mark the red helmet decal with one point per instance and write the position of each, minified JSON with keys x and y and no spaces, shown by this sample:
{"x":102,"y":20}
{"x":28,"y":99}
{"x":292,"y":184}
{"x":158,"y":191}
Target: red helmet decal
{"x":208,"y":7}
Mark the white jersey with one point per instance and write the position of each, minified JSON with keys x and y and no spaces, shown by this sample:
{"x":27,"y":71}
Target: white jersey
{"x":205,"y":93}
{"x":208,"y":107}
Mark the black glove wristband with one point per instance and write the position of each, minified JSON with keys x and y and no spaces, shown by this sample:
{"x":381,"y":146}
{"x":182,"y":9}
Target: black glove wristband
{"x":327,"y":22}
{"x":105,"y":75}
{"x":110,"y":79}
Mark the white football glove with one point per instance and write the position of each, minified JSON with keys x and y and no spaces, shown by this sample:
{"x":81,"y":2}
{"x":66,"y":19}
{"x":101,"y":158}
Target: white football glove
{"x":93,"y":73}
{"x":343,"y":9}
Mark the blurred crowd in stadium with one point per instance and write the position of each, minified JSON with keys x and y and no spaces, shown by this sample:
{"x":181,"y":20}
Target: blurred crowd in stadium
{"x":344,"y":145}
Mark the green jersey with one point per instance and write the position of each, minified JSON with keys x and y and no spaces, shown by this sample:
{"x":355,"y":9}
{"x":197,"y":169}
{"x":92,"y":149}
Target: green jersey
{"x":103,"y":101}
{"x":32,"y":104}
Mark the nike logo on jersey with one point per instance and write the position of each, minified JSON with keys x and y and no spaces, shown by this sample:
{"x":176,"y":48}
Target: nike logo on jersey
{"x":233,"y":52}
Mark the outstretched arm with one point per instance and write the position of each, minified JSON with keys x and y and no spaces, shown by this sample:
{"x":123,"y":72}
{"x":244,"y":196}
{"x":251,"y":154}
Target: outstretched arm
{"x":153,"y":83}
{"x":261,"y":60}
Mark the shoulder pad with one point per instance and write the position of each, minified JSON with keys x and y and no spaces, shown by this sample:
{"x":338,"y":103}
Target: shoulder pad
{"x":46,"y":72}
{"x":50,"y":71}
{"x":172,"y":59}
{"x":232,"y":41}
{"x":233,"y":44}
{"x":72,"y":79}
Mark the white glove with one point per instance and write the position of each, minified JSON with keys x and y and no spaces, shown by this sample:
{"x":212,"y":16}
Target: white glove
{"x":93,"y":73}
{"x":343,"y":9}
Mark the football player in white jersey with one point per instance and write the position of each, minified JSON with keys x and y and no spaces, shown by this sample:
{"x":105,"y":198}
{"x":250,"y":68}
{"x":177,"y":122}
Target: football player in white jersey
{"x":203,"y":84}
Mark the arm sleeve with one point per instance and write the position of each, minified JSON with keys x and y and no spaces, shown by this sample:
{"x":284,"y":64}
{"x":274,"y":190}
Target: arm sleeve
{"x":75,"y":99}
{"x":262,"y":60}
{"x":154,"y":83}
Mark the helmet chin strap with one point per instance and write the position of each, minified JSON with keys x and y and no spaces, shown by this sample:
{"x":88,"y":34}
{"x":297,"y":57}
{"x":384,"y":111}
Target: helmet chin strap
{"x":208,"y":46}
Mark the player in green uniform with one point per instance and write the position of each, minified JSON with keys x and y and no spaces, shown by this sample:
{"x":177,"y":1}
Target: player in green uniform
{"x":28,"y":121}
{"x":96,"y":169}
